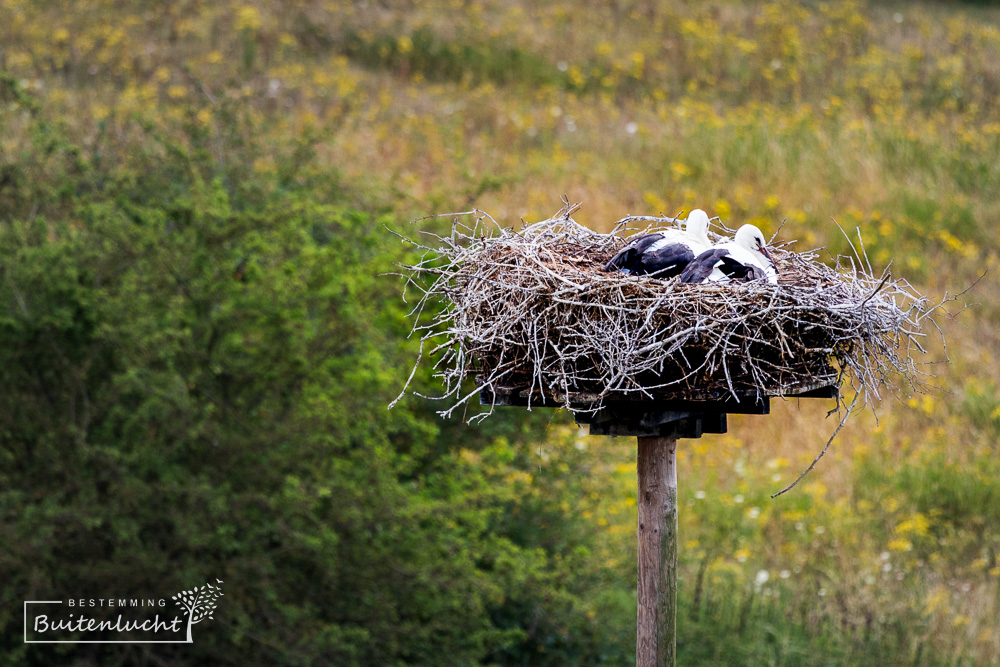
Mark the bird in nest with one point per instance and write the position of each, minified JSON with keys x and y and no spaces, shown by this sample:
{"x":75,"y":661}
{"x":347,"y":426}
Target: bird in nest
{"x":690,"y":255}
{"x":743,"y":259}
{"x":664,"y":254}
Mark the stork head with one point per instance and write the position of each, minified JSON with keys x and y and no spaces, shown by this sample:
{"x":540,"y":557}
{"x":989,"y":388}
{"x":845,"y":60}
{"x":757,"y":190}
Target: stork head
{"x":751,"y":238}
{"x":697,"y":225}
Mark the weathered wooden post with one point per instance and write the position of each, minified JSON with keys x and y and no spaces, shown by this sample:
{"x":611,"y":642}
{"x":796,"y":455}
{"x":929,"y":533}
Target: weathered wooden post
{"x":657,"y":426}
{"x":656,"y":623}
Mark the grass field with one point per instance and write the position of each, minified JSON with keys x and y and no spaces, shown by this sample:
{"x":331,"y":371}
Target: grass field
{"x":883,"y":116}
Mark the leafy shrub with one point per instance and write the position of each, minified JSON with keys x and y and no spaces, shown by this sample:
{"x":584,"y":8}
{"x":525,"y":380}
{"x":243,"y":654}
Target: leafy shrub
{"x":201,"y":356}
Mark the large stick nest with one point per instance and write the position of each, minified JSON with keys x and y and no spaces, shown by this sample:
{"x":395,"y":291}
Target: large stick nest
{"x":533,"y":312}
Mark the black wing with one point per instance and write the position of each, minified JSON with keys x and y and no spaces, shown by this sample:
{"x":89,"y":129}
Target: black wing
{"x":628,"y":258}
{"x":666,"y":262}
{"x":700,"y":268}
{"x":756,"y":273}
{"x":737,"y":272}
{"x":741,"y":273}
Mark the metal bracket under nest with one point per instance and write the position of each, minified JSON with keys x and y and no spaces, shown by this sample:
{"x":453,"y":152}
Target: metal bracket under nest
{"x":662,"y":419}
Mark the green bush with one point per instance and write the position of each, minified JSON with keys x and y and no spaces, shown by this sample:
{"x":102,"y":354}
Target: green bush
{"x":197,"y":360}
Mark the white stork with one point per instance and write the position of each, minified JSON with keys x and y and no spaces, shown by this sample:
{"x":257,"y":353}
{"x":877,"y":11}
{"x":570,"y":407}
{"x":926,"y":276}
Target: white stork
{"x":664,"y":254}
{"x":743,"y":259}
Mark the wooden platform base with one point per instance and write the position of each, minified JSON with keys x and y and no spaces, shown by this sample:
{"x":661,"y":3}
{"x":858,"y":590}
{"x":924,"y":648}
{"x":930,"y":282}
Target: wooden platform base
{"x":654,"y":419}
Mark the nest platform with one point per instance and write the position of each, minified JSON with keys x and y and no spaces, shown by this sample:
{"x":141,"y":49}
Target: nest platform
{"x":533,"y":316}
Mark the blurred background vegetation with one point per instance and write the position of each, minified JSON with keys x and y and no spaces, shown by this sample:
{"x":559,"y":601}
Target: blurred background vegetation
{"x":197,"y":349}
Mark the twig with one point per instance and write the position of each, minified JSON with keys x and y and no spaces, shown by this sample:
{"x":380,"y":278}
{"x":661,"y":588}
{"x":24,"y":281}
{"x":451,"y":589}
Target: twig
{"x":812,"y":465}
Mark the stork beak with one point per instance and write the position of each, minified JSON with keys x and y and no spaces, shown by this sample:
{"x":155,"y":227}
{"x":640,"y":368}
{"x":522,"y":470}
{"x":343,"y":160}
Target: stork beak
{"x":771,"y":259}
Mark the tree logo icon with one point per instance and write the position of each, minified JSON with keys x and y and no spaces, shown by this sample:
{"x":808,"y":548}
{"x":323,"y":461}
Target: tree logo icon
{"x":199,"y":603}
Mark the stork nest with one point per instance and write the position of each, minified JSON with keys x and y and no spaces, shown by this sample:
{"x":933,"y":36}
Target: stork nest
{"x":533,"y":312}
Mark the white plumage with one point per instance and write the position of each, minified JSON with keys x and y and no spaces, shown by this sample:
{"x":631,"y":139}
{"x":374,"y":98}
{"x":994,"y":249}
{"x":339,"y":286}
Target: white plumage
{"x":694,"y":235}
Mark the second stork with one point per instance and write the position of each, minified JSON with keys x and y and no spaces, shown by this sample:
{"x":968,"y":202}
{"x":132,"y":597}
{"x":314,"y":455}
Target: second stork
{"x":664,"y":254}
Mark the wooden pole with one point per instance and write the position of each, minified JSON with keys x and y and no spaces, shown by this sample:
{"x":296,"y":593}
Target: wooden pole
{"x":657,"y":535}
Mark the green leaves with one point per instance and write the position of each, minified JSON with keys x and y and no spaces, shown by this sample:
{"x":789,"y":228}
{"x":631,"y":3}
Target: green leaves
{"x":198,"y":372}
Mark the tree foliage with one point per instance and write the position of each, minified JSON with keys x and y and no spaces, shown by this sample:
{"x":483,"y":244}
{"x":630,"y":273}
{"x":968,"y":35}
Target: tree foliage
{"x":196,"y":359}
